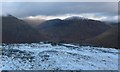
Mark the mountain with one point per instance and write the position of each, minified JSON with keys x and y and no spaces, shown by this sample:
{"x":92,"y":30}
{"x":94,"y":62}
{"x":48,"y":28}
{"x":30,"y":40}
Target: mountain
{"x":70,"y":30}
{"x":15,"y":30}
{"x":73,"y":29}
{"x":107,"y":39}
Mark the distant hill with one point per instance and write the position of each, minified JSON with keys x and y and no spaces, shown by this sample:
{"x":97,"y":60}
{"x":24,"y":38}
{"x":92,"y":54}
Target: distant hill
{"x":73,"y":29}
{"x":69,"y":30}
{"x":107,"y":39}
{"x":15,"y":30}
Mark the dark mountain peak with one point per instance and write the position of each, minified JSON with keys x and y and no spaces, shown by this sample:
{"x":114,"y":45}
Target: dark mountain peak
{"x":49,"y":23}
{"x":10,"y":17}
{"x":15,"y":30}
{"x":55,"y":19}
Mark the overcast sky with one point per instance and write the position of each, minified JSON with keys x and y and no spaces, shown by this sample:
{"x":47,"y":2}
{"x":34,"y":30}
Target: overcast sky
{"x":105,"y":11}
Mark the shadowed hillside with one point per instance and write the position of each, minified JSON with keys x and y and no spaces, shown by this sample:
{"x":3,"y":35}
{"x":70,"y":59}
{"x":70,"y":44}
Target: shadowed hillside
{"x":106,"y":39}
{"x":70,"y":30}
{"x":15,"y":31}
{"x":74,"y":29}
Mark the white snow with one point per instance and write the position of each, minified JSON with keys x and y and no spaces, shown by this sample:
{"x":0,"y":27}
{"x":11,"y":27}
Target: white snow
{"x":44,"y":56}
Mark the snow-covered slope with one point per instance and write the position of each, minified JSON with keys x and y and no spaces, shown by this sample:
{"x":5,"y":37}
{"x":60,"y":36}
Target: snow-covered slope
{"x":47,"y":56}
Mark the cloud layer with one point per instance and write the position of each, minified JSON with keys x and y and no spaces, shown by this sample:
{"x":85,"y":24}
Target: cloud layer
{"x":89,"y":16}
{"x":51,"y":10}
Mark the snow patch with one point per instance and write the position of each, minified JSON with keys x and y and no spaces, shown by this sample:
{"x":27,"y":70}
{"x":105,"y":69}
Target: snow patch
{"x":45,"y":56}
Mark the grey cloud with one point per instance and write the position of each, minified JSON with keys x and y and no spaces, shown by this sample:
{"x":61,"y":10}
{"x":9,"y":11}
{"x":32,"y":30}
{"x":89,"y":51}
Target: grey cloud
{"x":23,"y":9}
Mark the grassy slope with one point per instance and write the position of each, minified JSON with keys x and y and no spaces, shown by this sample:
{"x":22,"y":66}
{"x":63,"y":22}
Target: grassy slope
{"x":106,"y":39}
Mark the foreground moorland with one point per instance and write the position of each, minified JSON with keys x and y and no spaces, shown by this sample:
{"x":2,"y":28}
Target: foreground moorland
{"x":61,"y":56}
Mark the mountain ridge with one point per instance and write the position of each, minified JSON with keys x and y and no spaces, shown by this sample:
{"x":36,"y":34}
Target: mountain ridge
{"x":72,"y":28}
{"x":15,"y":30}
{"x":77,"y":30}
